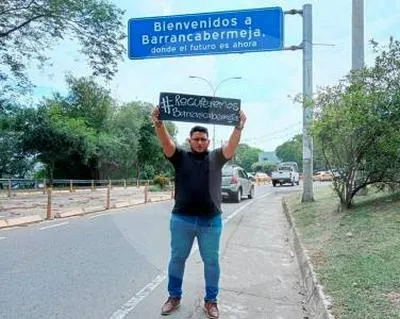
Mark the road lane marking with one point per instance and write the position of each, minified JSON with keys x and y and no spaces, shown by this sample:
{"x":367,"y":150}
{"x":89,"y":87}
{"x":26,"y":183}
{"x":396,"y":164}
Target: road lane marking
{"x":53,"y":226}
{"x":235,"y":212}
{"x":143,"y":293}
{"x":131,"y":304}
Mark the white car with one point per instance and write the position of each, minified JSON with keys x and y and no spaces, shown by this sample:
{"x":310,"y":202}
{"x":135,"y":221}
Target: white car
{"x":286,"y":173}
{"x":236,"y":183}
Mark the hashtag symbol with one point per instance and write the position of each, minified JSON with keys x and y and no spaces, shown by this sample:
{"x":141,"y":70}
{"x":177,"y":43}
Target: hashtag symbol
{"x":165,"y":105}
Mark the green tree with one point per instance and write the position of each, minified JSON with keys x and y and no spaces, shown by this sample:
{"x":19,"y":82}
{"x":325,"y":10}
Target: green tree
{"x":14,"y":161}
{"x":150,"y":152}
{"x":28,"y":28}
{"x":62,"y":143}
{"x":268,"y":167}
{"x":89,"y":101}
{"x":140,"y":153}
{"x":292,"y":151}
{"x":246,"y":156}
{"x":125,"y":124}
{"x":358,"y":125}
{"x":264,"y":167}
{"x":70,"y":134}
{"x":94,"y":105}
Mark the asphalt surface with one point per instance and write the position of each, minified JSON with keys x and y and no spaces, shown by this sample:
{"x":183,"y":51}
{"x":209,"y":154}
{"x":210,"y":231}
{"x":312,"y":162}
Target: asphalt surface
{"x":112,"y":265}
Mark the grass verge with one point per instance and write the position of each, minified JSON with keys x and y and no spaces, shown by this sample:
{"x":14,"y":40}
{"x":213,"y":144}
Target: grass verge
{"x":356,"y":253}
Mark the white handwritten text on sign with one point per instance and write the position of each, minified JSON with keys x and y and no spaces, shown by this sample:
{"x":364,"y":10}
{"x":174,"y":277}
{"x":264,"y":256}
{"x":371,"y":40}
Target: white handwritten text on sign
{"x":199,"y":108}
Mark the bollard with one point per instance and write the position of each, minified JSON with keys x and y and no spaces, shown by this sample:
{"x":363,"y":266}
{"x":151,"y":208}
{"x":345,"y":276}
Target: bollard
{"x":92,"y":185}
{"x":70,"y":186}
{"x":125,"y":183}
{"x":49,"y":214}
{"x":9,"y":188}
{"x":44,"y":186}
{"x":108,"y":203}
{"x":146,"y":193}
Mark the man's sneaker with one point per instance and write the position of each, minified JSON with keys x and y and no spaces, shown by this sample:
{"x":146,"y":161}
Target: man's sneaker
{"x":211,"y":310}
{"x":171,"y":305}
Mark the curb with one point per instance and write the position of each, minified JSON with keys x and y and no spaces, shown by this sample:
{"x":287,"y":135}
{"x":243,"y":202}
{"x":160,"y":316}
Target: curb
{"x":69,"y":213}
{"x":317,"y":303}
{"x":93,"y":209}
{"x":120,"y":204}
{"x":160,"y":199}
{"x":18,"y":221}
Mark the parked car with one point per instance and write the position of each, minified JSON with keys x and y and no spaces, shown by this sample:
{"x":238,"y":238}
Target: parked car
{"x":251,"y":177}
{"x":323,"y":176}
{"x":287,"y":172}
{"x":236,"y":183}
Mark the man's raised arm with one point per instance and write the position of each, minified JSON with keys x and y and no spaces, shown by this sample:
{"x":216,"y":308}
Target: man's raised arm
{"x":165,"y":139}
{"x":229,"y":149}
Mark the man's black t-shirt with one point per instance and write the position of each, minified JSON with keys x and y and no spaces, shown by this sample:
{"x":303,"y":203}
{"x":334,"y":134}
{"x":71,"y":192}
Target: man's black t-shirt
{"x":197,"y":182}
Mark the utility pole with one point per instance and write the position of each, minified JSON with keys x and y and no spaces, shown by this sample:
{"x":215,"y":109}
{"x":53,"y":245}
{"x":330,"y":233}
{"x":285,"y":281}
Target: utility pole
{"x":357,"y":48}
{"x":357,"y":54}
{"x":308,"y":108}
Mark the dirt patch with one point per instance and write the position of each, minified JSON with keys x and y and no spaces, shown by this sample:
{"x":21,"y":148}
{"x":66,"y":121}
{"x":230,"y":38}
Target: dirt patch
{"x":318,"y":257}
{"x":393,"y":297}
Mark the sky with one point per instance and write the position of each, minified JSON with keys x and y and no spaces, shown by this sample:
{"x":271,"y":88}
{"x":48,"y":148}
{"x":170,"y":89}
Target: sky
{"x":269,"y":80}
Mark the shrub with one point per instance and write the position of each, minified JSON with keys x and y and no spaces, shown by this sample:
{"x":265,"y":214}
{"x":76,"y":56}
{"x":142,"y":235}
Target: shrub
{"x":161,"y":180}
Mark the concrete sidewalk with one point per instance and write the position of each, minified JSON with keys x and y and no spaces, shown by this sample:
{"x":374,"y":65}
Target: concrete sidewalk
{"x":260,"y":277}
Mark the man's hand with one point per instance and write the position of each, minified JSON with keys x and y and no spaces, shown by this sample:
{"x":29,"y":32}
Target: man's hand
{"x":229,"y":149}
{"x":155,"y":117}
{"x":242,"y":120}
{"x":166,"y":141}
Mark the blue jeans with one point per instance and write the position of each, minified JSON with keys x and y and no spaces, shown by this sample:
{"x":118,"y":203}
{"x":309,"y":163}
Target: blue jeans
{"x":183,"y":231}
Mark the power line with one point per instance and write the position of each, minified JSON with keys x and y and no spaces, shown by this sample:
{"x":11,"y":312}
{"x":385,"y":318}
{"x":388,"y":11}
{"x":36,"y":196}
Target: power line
{"x":273,"y":134}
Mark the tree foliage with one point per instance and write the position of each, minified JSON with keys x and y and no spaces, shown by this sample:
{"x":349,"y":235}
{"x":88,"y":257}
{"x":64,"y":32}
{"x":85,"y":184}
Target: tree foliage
{"x":63,"y":144}
{"x":29,"y":27}
{"x":14,"y":162}
{"x":292,"y":151}
{"x":85,"y":135}
{"x":264,"y":167}
{"x":246,"y":156}
{"x":358,"y":125}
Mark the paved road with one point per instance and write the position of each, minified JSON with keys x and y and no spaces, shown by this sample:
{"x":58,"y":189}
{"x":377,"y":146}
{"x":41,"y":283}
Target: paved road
{"x":96,"y":266}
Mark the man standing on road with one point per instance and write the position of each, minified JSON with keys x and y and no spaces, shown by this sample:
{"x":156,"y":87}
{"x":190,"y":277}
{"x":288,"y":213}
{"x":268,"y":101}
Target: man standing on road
{"x":197,"y":209}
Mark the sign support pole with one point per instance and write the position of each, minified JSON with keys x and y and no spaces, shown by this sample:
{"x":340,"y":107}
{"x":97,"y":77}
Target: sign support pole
{"x":307,"y":105}
{"x":308,"y":109}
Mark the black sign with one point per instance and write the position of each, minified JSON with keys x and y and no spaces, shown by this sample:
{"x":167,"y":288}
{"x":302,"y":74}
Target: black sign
{"x":199,"y":109}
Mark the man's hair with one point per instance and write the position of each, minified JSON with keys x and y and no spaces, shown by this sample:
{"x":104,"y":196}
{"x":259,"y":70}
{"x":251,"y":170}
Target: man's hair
{"x":200,"y":129}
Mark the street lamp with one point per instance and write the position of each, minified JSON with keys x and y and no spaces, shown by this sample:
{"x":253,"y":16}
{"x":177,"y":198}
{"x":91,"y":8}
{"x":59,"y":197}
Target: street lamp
{"x":214,"y":90}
